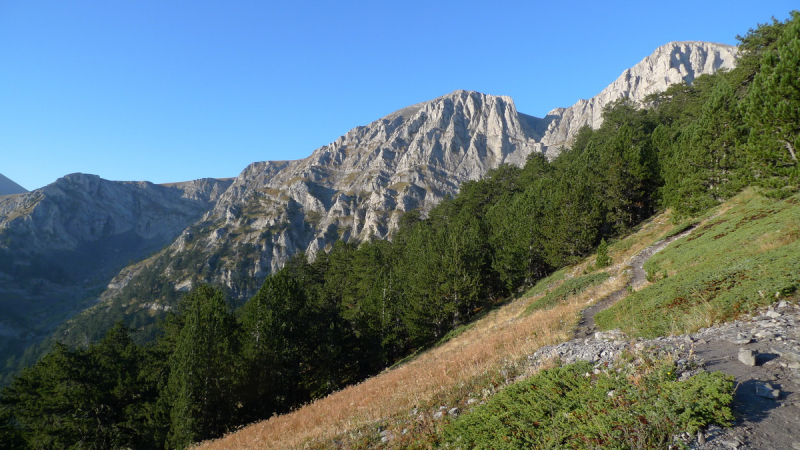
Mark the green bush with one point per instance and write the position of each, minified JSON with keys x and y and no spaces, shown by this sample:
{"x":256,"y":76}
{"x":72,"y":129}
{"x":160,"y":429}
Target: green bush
{"x":572,"y":407}
{"x":603,"y":260}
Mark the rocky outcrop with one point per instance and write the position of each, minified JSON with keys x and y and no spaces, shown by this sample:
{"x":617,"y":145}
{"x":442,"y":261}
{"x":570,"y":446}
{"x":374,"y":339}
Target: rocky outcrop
{"x":670,"y":64}
{"x":357,"y":187}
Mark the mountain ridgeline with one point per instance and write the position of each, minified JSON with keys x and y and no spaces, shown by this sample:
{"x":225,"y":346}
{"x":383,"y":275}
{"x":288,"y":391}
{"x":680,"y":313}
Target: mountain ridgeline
{"x":475,"y":204}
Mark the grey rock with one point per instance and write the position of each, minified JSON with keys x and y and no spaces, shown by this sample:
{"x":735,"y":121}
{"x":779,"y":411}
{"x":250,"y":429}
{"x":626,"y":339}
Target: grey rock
{"x":766,"y":390}
{"x":790,"y":355}
{"x":453,"y":412}
{"x":773,"y":314}
{"x":741,"y":339}
{"x":747,"y":357}
{"x":764,"y":334}
{"x":669,"y":64}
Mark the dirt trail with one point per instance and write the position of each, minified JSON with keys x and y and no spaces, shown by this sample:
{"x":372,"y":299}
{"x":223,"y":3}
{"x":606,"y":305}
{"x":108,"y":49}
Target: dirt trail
{"x":761,"y":423}
{"x":586,"y":326}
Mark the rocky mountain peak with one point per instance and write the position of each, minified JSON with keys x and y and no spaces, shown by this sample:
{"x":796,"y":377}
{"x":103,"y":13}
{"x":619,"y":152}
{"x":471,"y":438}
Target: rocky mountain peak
{"x":669,"y":64}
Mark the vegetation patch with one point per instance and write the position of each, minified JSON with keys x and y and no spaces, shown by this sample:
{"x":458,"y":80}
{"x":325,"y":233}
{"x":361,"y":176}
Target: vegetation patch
{"x":576,"y":406}
{"x":729,"y":266}
{"x":567,"y":289}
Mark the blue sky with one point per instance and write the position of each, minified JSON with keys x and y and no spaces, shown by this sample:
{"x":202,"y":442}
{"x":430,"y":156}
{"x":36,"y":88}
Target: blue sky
{"x":176,"y":90}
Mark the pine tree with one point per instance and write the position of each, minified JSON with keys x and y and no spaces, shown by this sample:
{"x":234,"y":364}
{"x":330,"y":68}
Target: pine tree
{"x":603,"y":260}
{"x":202,"y":381}
{"x":772,"y":110}
{"x":705,"y":162}
{"x":275,"y":332}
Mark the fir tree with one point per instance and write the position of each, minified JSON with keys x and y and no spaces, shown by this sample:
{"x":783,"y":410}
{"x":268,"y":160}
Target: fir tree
{"x":201,"y":386}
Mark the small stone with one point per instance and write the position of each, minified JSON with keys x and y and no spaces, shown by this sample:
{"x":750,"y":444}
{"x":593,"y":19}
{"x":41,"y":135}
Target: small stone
{"x":747,"y":357}
{"x":796,"y":445}
{"x":438,"y":414}
{"x":773,"y":314}
{"x":766,"y":390}
{"x":741,"y":339}
{"x":791,"y":355}
{"x":453,"y":412}
{"x":794,"y":365}
{"x":701,"y":437}
{"x":472,"y":400}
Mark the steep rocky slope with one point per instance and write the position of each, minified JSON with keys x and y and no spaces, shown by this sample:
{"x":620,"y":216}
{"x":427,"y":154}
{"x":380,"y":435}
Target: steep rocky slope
{"x":357,"y":187}
{"x":670,"y":64}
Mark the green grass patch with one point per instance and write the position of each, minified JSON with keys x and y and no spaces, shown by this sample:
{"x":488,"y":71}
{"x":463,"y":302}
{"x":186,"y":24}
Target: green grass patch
{"x":745,"y":258}
{"x":567,"y":289}
{"x":547,"y":283}
{"x":573,"y":407}
{"x":681,"y":227}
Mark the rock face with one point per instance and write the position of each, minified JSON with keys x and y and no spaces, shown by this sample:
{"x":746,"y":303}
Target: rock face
{"x":236,"y":232}
{"x":8,"y":187}
{"x":670,"y":64}
{"x":357,"y":187}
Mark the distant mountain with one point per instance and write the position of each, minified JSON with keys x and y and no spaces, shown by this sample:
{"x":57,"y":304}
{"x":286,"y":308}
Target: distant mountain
{"x":8,"y":187}
{"x":236,"y":232}
{"x":61,"y":245}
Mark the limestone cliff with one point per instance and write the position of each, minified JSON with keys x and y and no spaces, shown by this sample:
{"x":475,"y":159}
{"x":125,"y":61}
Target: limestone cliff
{"x":670,"y":64}
{"x":357,"y":187}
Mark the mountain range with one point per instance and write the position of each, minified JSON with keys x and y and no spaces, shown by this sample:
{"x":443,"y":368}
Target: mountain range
{"x":83,"y":251}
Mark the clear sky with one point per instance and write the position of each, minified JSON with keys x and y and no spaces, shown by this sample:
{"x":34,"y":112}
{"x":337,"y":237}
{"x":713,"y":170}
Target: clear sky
{"x":170,"y":91}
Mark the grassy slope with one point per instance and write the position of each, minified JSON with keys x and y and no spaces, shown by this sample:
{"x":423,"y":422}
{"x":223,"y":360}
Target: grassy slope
{"x":473,"y":363}
{"x":738,"y":258}
{"x":744,"y":254}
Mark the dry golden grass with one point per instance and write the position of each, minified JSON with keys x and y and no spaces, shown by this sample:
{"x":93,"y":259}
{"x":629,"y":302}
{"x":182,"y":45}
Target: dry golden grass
{"x":505,"y":337}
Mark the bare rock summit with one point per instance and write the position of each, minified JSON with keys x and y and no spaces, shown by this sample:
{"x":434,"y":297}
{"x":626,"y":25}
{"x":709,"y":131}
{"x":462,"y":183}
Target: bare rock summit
{"x":670,"y":64}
